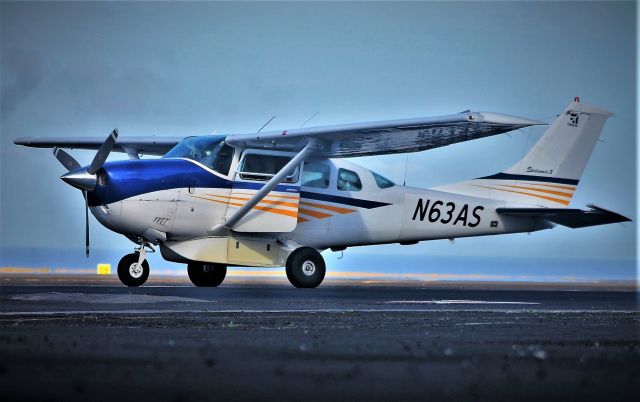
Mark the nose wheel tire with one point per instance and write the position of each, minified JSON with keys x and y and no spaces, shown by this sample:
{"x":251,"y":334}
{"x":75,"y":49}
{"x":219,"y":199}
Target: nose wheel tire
{"x":305,"y":268}
{"x":206,"y":274}
{"x":130,"y":272}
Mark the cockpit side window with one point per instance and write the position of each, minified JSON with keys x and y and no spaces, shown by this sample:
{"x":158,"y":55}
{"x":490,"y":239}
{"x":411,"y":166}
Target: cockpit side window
{"x":222,"y":162}
{"x":348,"y":180}
{"x":211,"y":151}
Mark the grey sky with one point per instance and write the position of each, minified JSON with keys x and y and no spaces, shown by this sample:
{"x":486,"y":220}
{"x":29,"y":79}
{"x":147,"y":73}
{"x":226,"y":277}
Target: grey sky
{"x":81,"y":69}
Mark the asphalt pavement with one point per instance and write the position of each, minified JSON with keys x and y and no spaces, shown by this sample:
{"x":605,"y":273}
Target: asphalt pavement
{"x":343,"y":341}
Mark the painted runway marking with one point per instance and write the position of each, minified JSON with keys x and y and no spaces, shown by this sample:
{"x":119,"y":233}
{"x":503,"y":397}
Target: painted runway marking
{"x":484,"y":323}
{"x":455,"y":302}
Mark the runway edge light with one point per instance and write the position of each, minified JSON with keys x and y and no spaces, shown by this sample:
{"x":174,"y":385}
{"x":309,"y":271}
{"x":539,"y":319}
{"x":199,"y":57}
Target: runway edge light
{"x":104,"y":269}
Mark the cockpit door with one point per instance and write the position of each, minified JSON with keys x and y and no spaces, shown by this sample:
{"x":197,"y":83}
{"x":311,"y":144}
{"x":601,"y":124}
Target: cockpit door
{"x":278,"y":211}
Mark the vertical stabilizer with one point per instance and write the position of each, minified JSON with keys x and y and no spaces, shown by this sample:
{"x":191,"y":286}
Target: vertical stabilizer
{"x":549,"y":174}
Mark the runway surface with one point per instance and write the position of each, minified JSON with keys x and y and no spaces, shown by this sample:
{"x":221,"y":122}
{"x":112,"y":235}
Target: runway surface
{"x":258,"y":341}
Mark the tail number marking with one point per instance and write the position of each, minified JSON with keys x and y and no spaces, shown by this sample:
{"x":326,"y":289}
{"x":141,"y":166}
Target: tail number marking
{"x":444,"y":213}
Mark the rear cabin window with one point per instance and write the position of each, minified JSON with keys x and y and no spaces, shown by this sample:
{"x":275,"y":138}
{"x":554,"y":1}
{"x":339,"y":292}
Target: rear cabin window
{"x":382,"y":181}
{"x":264,"y":167}
{"x":315,"y":175}
{"x":348,"y":180}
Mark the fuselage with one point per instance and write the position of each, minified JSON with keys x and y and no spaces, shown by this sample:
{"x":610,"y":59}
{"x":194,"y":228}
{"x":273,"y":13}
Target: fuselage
{"x":179,"y":199}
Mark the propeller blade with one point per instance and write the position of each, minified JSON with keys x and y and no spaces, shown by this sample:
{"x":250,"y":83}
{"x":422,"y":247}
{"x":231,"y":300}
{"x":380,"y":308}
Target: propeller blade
{"x":86,"y":222}
{"x":103,"y":152}
{"x":65,"y":159}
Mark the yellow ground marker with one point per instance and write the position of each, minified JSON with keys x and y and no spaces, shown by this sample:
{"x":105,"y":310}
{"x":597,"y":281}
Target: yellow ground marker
{"x":104,"y":269}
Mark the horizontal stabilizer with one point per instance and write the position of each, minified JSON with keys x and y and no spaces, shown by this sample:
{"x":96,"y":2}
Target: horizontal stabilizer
{"x":570,"y":217}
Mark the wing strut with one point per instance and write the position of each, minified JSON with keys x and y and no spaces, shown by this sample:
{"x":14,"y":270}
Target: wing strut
{"x":266,"y":189}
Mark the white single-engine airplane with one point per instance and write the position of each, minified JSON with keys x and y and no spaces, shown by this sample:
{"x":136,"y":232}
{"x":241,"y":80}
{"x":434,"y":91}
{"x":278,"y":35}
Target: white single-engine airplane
{"x":278,"y":198}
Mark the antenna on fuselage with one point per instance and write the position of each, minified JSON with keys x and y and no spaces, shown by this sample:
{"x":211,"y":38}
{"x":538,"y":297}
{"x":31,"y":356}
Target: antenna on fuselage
{"x":406,"y":167}
{"x":267,"y":123}
{"x":309,"y":119}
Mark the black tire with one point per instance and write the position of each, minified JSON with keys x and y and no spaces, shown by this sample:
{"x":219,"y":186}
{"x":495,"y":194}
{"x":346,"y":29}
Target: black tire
{"x":130,"y":275}
{"x":206,"y":274}
{"x":305,"y":268}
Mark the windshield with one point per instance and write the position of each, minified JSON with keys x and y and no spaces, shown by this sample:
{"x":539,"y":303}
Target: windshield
{"x":209,"y":150}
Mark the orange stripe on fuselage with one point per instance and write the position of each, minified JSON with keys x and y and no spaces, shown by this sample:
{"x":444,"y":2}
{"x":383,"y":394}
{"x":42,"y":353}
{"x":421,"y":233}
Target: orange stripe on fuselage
{"x":328,"y":207}
{"x":559,"y":201}
{"x":542,"y":190}
{"x":218,"y":201}
{"x":553,"y":186}
{"x":280,"y":203}
{"x":315,"y":214}
{"x":292,"y":214}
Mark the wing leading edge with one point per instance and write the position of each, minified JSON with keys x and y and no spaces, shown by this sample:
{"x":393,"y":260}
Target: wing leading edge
{"x":131,"y":145}
{"x":387,"y":137}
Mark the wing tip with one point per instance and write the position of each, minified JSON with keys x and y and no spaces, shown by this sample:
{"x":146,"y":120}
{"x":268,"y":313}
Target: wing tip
{"x":25,"y":141}
{"x":500,"y":118}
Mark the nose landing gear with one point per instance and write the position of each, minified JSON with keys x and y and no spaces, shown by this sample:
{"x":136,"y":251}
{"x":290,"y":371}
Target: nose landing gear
{"x":133,"y":269}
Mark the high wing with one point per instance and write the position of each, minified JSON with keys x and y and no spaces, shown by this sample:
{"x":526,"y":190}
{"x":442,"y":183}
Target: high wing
{"x":386,"y":137}
{"x":573,"y":218}
{"x":130,"y":145}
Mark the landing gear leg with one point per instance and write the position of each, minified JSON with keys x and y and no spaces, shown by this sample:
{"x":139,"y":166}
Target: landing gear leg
{"x":133,"y":269}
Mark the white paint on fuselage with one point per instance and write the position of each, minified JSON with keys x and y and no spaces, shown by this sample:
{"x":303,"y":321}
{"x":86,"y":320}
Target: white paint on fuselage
{"x":186,"y":213}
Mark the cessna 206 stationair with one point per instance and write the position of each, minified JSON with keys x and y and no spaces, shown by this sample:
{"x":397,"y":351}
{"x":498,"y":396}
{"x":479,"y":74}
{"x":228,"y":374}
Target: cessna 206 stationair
{"x":279,"y":198}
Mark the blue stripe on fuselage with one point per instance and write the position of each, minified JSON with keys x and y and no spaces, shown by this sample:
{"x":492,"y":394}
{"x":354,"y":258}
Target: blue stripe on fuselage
{"x":526,"y":177}
{"x":336,"y":199}
{"x":130,"y":178}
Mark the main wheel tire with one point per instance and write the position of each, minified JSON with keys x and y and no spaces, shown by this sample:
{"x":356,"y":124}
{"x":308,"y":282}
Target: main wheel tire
{"x":130,"y":273}
{"x":305,"y":268}
{"x":206,"y":274}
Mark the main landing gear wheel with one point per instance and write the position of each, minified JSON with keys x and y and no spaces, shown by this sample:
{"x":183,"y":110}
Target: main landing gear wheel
{"x":130,"y":272}
{"x":305,"y":268}
{"x":206,"y":274}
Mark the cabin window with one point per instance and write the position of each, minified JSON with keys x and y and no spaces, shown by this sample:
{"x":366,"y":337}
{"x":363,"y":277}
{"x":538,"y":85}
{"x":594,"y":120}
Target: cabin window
{"x":348,"y":180}
{"x":263,"y":167}
{"x":315,"y":175}
{"x":382,"y":181}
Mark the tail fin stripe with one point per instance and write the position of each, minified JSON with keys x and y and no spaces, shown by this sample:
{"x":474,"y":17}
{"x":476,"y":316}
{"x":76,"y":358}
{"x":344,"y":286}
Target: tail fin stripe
{"x":552,"y":186}
{"x":509,"y":176}
{"x":559,"y":201}
{"x":541,"y":190}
